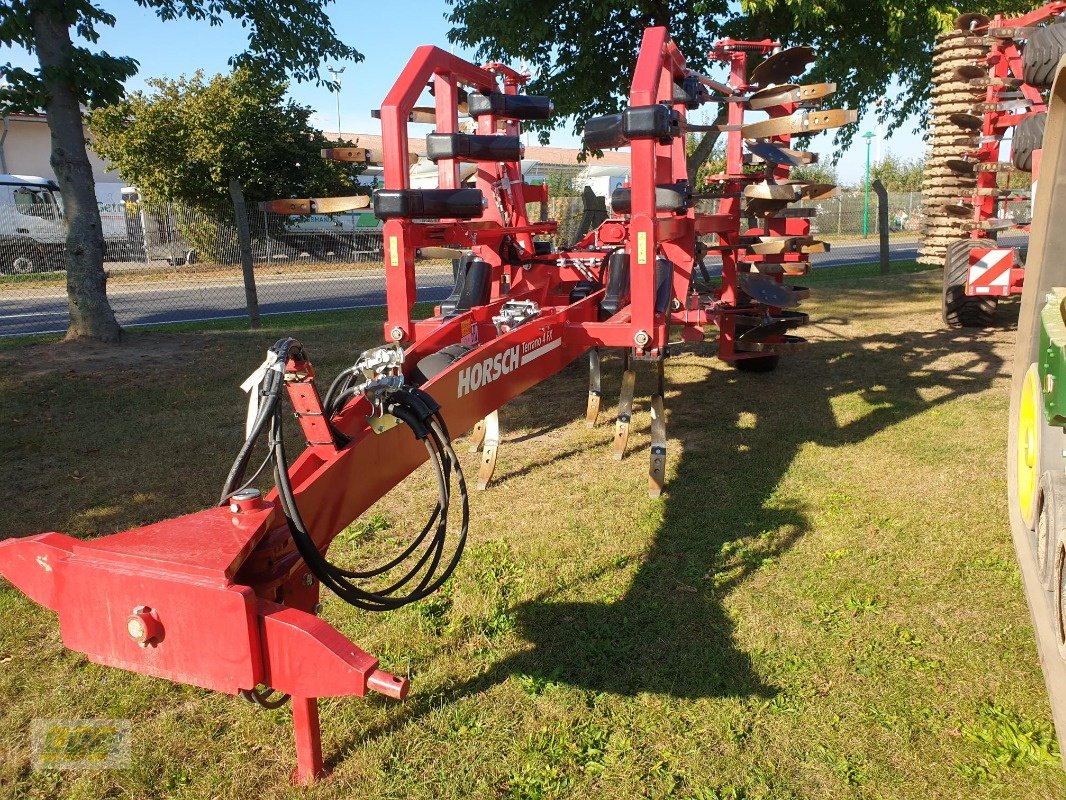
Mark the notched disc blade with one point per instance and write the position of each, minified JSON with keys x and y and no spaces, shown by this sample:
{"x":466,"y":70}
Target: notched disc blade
{"x":970,"y":72}
{"x":779,"y":67}
{"x":779,"y":154}
{"x":967,"y":22}
{"x":764,"y":289}
{"x":958,"y":210}
{"x":970,"y":122}
{"x":960,"y":166}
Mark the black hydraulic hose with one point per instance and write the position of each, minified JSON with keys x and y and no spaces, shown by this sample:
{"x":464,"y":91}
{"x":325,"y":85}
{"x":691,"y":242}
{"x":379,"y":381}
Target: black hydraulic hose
{"x":445,"y":461}
{"x":270,"y":394}
{"x":421,"y":414}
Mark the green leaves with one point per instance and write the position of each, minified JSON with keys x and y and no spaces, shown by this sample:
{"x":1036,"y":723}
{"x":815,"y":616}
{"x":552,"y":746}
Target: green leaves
{"x":584,"y":51}
{"x":189,"y":137}
{"x":581,"y":51}
{"x":285,"y":38}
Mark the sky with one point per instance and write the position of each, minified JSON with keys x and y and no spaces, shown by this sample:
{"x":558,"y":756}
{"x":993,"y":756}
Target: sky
{"x":386,"y":33}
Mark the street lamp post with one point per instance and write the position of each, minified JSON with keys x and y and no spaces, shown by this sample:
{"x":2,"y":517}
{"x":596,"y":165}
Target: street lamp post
{"x":336,"y":73}
{"x":868,"y":136}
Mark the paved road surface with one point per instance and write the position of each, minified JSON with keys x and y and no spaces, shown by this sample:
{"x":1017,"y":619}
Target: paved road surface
{"x":45,"y":310}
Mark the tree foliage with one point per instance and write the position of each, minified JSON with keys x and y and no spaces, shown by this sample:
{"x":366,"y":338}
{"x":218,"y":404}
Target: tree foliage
{"x":284,"y":37}
{"x":899,"y":174}
{"x":583,"y":51}
{"x":189,"y":137}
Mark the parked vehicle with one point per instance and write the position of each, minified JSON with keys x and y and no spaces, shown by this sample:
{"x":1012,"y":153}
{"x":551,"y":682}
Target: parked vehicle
{"x":32,"y":228}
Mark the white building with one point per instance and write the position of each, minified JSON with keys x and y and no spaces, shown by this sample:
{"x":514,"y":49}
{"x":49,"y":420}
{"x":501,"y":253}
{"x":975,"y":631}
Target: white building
{"x":26,"y":147}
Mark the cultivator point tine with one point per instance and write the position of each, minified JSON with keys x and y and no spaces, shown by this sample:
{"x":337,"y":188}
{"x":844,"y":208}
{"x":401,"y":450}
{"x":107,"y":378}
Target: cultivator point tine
{"x":315,"y":205}
{"x":625,"y":410}
{"x":819,"y":191}
{"x":790,"y":93}
{"x":489,"y":451}
{"x":786,"y":192}
{"x":441,"y":252}
{"x":362,"y":155}
{"x":477,"y":436}
{"x":799,"y":124}
{"x":592,"y":410}
{"x":657,"y":468}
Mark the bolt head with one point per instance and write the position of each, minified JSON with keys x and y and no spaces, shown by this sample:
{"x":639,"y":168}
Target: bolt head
{"x":396,"y":334}
{"x":245,"y":500}
{"x":641,"y":338}
{"x":309,"y":579}
{"x":143,"y":626}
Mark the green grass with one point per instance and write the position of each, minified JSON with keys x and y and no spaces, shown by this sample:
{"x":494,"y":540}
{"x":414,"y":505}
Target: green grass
{"x":823,"y":604}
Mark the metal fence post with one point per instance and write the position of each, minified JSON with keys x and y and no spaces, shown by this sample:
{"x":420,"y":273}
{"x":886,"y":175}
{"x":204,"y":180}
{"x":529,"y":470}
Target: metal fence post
{"x":244,"y":239}
{"x":882,"y":221}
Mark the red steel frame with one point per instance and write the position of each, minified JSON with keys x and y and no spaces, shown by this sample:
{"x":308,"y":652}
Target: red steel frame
{"x":220,"y":599}
{"x":1004,"y":61}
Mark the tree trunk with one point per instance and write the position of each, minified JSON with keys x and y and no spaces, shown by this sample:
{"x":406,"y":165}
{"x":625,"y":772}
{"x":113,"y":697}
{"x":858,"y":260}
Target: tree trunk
{"x":706,"y":146}
{"x":90,"y":313}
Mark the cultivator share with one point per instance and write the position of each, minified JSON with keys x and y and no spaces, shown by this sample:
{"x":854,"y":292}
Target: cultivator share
{"x":226,"y":598}
{"x":989,"y":80}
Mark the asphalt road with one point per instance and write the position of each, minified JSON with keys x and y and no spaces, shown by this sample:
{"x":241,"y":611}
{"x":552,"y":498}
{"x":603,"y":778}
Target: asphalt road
{"x":45,"y":310}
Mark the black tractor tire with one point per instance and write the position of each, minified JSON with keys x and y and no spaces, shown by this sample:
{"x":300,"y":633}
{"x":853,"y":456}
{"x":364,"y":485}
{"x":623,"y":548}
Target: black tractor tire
{"x":1051,"y":519}
{"x":758,"y":364}
{"x":960,"y":310}
{"x":1042,"y":54}
{"x":1028,"y":138}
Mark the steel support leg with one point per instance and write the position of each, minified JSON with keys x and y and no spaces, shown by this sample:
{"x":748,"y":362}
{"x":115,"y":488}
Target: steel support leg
{"x":488,"y":453}
{"x":309,"y":766}
{"x":592,"y":411}
{"x":625,"y":408}
{"x":657,"y":471}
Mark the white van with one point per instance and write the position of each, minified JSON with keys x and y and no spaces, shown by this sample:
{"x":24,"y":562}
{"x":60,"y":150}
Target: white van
{"x":32,"y":229}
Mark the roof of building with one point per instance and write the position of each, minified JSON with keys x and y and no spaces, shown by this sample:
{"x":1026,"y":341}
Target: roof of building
{"x":561,"y":156}
{"x":26,"y":180}
{"x":21,"y":117}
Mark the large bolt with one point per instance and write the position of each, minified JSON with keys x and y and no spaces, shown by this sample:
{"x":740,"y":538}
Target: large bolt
{"x":245,"y":500}
{"x":396,"y":334}
{"x":144,"y":627}
{"x":309,"y":579}
{"x":641,"y":338}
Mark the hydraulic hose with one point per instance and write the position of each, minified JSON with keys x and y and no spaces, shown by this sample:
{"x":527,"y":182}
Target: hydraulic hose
{"x":423,"y":563}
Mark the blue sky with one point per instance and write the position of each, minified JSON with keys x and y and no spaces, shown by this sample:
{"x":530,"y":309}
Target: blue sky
{"x":386,"y":33}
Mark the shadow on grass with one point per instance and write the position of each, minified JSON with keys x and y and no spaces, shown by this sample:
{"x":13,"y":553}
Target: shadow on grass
{"x":670,"y":633}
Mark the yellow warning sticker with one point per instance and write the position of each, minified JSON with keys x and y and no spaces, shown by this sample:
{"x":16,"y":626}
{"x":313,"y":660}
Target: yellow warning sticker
{"x":394,"y":251}
{"x":642,"y":247}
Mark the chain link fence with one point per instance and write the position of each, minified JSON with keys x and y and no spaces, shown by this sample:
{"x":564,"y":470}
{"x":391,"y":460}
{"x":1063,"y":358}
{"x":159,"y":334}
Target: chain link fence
{"x":171,"y":263}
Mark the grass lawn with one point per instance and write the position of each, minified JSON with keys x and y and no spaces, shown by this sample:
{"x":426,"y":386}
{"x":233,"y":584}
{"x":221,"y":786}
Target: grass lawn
{"x":823,"y":604}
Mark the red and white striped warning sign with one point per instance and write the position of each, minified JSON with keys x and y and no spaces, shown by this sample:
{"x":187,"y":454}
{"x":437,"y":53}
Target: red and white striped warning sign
{"x":990,"y":271}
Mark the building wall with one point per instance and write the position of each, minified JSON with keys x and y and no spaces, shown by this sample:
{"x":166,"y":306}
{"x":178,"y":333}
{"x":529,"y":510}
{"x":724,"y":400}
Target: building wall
{"x":28,"y":147}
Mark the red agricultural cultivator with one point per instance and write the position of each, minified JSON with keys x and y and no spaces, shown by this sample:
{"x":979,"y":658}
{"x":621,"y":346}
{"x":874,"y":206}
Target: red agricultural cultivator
{"x":226,"y":598}
{"x":990,"y":76}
